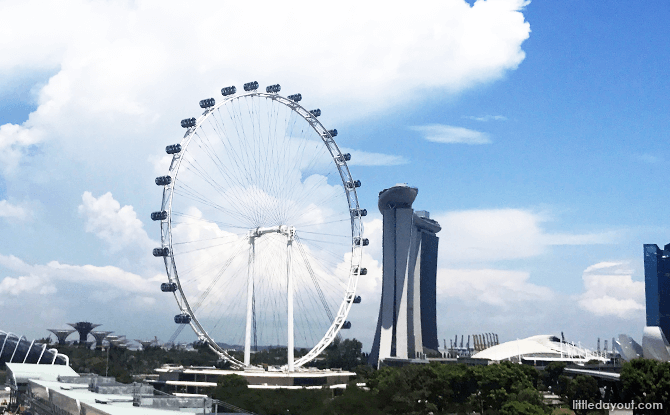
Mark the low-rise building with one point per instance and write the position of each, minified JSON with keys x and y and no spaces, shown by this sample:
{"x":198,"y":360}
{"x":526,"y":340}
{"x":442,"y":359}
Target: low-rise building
{"x":57,"y":389}
{"x":198,"y":380}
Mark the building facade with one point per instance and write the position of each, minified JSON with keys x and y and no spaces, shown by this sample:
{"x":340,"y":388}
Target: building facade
{"x":657,"y":286}
{"x":407,"y":326}
{"x":657,"y":295}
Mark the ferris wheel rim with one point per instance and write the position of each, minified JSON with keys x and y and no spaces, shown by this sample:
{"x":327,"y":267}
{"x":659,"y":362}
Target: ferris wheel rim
{"x":354,"y":216}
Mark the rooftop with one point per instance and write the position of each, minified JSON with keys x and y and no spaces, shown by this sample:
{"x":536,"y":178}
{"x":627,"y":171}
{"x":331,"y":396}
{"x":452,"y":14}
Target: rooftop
{"x":63,"y":388}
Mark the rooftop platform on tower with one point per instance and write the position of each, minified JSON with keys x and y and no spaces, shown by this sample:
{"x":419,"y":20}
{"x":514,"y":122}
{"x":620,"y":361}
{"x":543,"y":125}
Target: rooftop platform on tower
{"x":397,"y":197}
{"x":84,"y":328}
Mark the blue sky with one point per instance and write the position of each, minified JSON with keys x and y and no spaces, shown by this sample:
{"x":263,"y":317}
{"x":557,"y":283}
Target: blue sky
{"x":535,"y":134}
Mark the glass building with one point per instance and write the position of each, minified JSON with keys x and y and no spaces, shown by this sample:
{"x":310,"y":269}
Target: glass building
{"x":657,"y":286}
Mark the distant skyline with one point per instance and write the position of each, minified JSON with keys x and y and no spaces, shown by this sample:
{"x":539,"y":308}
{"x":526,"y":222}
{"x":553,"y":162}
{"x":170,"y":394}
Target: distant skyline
{"x":535,"y":132}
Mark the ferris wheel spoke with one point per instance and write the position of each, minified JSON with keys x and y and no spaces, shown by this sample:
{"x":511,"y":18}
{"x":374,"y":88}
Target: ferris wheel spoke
{"x":235,"y":152}
{"x":220,"y":274}
{"x":195,"y":196}
{"x":225,"y":172}
{"x":198,"y":170}
{"x":327,"y":234}
{"x":210,"y":239}
{"x":231,"y":152}
{"x":308,"y":224}
{"x":333,"y":286}
{"x":193,"y":218}
{"x":324,"y":303}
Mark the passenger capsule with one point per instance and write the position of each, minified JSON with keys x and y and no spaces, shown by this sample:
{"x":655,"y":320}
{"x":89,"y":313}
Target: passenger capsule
{"x":163,"y":180}
{"x":353,"y":184}
{"x":188,"y":122}
{"x":359,"y":212}
{"x":365,"y":241}
{"x":295,"y":97}
{"x":206,"y":103}
{"x":170,"y":287}
{"x":344,"y":157}
{"x":357,"y":299}
{"x":251,"y":86}
{"x":333,"y":132}
{"x":346,"y":325}
{"x":182,"y":319}
{"x":162,"y":215}
{"x":158,"y":252}
{"x":316,"y":112}
{"x":173,"y":148}
{"x":229,"y":90}
{"x":361,"y":271}
{"x":273,"y":89}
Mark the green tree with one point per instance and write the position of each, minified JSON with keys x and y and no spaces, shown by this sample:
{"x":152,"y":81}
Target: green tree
{"x":584,"y":388}
{"x":233,"y":389}
{"x":521,"y":408}
{"x":230,"y":387}
{"x":45,"y":340}
{"x":495,"y":384}
{"x":529,"y":395}
{"x":459,"y":384}
{"x":413,"y":389}
{"x":563,"y":386}
{"x":345,"y":354}
{"x":552,"y":373}
{"x":354,"y":401}
{"x":645,"y":380}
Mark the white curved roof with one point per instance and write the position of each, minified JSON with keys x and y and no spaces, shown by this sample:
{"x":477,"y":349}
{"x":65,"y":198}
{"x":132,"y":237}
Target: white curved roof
{"x":655,"y":345}
{"x":541,"y":347}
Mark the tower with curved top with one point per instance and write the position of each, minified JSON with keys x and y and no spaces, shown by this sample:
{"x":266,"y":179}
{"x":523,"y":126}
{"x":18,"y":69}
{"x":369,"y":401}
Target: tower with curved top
{"x":61,"y":334}
{"x":407,"y":323}
{"x":99,"y":337}
{"x":83,"y":328}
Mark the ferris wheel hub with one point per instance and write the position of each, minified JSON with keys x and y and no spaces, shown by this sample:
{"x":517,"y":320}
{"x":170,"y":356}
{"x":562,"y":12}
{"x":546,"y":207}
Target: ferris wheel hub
{"x":288,"y":231}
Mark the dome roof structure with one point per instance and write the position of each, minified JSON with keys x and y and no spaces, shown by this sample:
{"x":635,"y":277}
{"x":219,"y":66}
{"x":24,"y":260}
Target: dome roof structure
{"x":541,"y":348}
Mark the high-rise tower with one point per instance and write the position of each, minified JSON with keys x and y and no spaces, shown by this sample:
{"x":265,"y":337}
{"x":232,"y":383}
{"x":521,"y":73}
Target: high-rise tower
{"x":657,"y":286}
{"x":407,"y":326}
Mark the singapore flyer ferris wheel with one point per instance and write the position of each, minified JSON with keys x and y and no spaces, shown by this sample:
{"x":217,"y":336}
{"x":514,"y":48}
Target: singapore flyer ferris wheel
{"x":261,"y":230}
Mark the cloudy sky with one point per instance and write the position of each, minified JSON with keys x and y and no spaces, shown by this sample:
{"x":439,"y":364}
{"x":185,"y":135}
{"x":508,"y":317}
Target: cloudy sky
{"x":536,"y":134}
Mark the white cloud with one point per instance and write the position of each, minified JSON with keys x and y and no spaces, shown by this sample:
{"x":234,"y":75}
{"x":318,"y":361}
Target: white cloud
{"x":486,"y":118}
{"x":121,"y":66}
{"x":472,"y":285}
{"x":127,"y":72}
{"x":161,"y":163}
{"x":439,"y":133}
{"x":14,"y":142}
{"x":490,"y":286}
{"x":498,"y":234}
{"x":118,"y":226}
{"x":364,"y":158}
{"x":611,"y":291}
{"x":31,"y":284}
{"x":9,"y":211}
{"x":46,"y":276}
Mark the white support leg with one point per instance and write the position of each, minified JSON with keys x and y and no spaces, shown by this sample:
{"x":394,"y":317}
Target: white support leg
{"x":250,"y":298}
{"x":290,"y":304}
